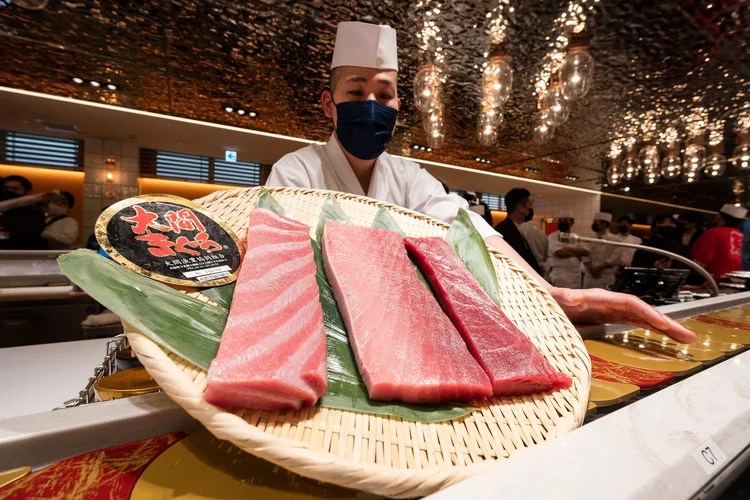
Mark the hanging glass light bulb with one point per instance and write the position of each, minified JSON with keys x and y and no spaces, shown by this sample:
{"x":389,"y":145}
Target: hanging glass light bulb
{"x":497,"y":80}
{"x":651,"y":174}
{"x":432,"y":121}
{"x":695,"y":157}
{"x":543,"y":130}
{"x":436,"y":139}
{"x":487,"y":126}
{"x":691,"y":174}
{"x":671,"y":166}
{"x":555,"y":105}
{"x":576,"y":74}
{"x":716,"y":165}
{"x":614,"y":172}
{"x":741,"y":156}
{"x":426,"y":87}
{"x":648,"y":156}
{"x":631,"y":167}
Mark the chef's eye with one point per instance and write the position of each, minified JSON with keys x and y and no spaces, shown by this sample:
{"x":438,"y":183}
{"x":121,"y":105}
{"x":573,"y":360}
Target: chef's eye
{"x":357,"y":93}
{"x":387,"y":97}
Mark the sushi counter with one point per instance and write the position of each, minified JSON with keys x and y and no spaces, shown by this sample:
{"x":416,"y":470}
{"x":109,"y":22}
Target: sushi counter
{"x":665,"y":421}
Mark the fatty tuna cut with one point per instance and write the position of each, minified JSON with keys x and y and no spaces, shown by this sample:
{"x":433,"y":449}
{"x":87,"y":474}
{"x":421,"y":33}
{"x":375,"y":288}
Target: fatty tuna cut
{"x":405,"y":346}
{"x":272,"y":353}
{"x":514,"y":365}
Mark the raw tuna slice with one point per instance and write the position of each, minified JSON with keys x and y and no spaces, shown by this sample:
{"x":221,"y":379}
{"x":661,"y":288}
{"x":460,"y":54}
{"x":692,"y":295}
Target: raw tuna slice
{"x":405,"y":346}
{"x":515,"y":366}
{"x":272,"y":353}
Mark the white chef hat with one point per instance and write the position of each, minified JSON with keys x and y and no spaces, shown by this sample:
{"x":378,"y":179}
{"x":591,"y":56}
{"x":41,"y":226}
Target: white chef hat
{"x":566,"y":213}
{"x":603,"y":216}
{"x":366,"y":45}
{"x":734,"y":211}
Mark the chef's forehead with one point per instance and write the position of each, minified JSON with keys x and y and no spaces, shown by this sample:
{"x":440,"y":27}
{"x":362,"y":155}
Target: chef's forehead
{"x":358,"y":74}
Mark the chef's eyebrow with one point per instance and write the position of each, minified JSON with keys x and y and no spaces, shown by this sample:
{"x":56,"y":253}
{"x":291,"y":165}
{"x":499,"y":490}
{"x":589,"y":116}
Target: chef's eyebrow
{"x":362,"y":79}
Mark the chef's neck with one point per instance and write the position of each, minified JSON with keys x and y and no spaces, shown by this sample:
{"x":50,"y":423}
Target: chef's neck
{"x":362,"y":168}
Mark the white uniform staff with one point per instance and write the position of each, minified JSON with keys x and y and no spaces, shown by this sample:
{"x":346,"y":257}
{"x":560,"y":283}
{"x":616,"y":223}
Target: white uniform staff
{"x":363,"y":104}
{"x":354,"y":159}
{"x":565,"y":258}
{"x":623,"y":235}
{"x":600,"y":267}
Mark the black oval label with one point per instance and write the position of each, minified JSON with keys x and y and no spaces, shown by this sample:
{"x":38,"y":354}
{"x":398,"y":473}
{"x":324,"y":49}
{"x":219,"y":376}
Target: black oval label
{"x":170,"y":239}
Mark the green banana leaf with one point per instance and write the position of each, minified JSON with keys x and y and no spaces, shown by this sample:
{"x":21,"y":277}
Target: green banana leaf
{"x":331,"y":211}
{"x":184,"y":325}
{"x":469,"y":245}
{"x":384,"y":220}
{"x":222,"y":295}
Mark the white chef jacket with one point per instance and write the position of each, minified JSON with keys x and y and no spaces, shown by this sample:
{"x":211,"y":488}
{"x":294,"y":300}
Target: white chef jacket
{"x":564,"y":272}
{"x":537,"y":241}
{"x":61,"y":234}
{"x":627,"y":254}
{"x":394,"y":180}
{"x":599,"y":254}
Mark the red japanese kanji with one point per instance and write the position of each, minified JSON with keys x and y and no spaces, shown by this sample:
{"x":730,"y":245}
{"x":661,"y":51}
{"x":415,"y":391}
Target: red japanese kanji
{"x":183,"y":219}
{"x":159,"y":245}
{"x":206,"y":244}
{"x":143,"y":220}
{"x":182,"y":243}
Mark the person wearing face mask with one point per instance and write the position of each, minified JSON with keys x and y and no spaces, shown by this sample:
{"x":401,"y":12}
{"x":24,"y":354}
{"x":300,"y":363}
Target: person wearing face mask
{"x":600,"y":267}
{"x":362,"y":102}
{"x":565,"y":258}
{"x":664,"y":236}
{"x":624,"y":235}
{"x":60,"y":230}
{"x":719,"y":249}
{"x":519,"y":205}
{"x":690,"y":227}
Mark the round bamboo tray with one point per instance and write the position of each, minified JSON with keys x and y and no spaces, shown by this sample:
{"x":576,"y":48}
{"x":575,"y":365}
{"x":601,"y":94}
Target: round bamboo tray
{"x":379,"y":454}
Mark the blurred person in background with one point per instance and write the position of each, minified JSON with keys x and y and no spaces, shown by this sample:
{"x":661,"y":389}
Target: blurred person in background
{"x":537,"y":240}
{"x":21,"y":222}
{"x":600,"y":267}
{"x":719,"y":249}
{"x":664,"y":237}
{"x":60,"y":229}
{"x":519,"y":205}
{"x":690,"y":227}
{"x":623,"y":234}
{"x":565,"y":258}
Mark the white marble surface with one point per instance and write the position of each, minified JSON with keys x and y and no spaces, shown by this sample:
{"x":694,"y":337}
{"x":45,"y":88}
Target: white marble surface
{"x":641,"y":451}
{"x":38,"y":378}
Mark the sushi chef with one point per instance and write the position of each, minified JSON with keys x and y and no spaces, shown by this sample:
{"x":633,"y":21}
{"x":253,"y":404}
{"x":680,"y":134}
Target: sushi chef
{"x":565,"y":258}
{"x":362,"y":102}
{"x":600,"y":267}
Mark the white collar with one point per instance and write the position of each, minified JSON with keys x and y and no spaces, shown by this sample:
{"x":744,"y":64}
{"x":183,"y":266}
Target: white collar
{"x":345,"y":173}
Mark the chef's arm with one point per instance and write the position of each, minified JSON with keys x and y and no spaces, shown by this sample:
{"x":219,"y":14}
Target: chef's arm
{"x":499,"y":244}
{"x":566,"y":252}
{"x":27,"y":200}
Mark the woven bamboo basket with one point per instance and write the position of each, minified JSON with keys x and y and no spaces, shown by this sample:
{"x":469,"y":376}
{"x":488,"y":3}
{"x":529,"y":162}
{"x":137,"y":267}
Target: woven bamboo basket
{"x":380,"y":454}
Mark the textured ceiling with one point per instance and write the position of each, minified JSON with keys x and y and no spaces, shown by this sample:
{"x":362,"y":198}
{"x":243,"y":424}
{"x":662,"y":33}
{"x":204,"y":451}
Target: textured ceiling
{"x":191,"y":58}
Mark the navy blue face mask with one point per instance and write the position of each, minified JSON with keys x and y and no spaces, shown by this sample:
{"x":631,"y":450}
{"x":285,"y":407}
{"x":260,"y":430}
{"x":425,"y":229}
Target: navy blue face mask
{"x":365,"y":128}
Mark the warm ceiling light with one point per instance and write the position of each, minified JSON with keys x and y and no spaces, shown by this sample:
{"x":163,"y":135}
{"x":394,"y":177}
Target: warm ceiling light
{"x":240,"y":112}
{"x":228,"y":109}
{"x":111,"y":86}
{"x":95,"y":83}
{"x":252,"y":114}
{"x":109,"y":176}
{"x":429,"y":150}
{"x":78,"y":80}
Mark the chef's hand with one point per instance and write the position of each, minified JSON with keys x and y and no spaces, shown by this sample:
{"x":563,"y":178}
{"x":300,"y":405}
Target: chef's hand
{"x":596,"y":306}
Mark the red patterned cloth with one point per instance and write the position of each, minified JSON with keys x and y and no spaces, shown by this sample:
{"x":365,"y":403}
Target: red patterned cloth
{"x":719,"y":250}
{"x":104,"y":474}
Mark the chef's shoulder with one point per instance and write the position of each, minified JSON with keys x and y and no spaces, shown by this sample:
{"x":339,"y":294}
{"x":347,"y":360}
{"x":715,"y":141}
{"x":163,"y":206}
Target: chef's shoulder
{"x":294,"y":169}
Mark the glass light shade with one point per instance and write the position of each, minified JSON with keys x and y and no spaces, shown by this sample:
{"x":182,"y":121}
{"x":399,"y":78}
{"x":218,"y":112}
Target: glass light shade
{"x":631,"y":167}
{"x":648,"y":156}
{"x":432,"y":118}
{"x":691,"y":174}
{"x":715,"y":165}
{"x":487,"y":126}
{"x":670,"y":167}
{"x":497,"y":80}
{"x":651,"y":174}
{"x":741,"y":156}
{"x":555,"y":106}
{"x":543,"y":130}
{"x":436,"y":139}
{"x":576,"y":74}
{"x":426,"y":87}
{"x":695,"y":157}
{"x":614,"y":174}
